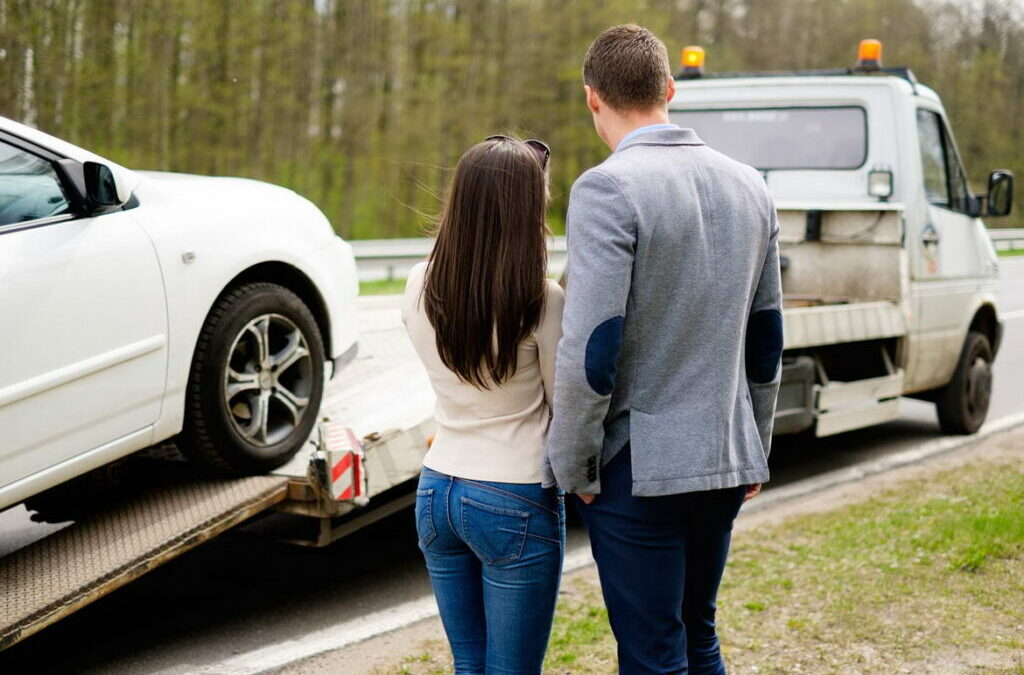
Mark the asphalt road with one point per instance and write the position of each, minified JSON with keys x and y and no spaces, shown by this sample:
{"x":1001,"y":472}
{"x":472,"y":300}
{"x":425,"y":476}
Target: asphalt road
{"x":242,"y":591}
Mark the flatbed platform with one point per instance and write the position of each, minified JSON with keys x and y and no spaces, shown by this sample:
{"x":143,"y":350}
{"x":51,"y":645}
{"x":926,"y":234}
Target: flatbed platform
{"x":808,"y":324}
{"x":384,"y":395}
{"x":55,"y":576}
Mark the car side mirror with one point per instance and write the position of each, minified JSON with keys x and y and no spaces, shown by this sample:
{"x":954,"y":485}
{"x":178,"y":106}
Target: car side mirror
{"x":100,"y":186}
{"x":91,"y":186}
{"x":1000,"y":193}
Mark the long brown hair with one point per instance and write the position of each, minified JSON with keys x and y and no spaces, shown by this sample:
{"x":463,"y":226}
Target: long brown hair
{"x":484,"y":288}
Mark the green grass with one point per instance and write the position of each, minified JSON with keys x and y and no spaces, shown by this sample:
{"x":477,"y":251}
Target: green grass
{"x":384,"y":287}
{"x":1011,"y":252}
{"x":932,"y":571}
{"x":929,"y":575}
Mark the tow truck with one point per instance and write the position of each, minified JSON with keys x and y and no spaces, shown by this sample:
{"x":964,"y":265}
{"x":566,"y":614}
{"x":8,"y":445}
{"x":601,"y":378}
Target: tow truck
{"x":889,"y":277}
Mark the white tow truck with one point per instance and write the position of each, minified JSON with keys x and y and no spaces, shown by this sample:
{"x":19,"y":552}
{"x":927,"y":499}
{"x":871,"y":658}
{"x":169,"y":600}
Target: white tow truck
{"x":890,"y":279}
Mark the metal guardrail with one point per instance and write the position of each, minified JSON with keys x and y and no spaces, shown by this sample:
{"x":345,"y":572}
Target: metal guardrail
{"x":1007,"y":239}
{"x":389,"y":259}
{"x":378,"y":259}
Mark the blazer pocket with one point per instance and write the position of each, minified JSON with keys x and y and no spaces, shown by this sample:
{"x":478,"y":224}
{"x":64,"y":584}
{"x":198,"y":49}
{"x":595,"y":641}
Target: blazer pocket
{"x":496,"y":534}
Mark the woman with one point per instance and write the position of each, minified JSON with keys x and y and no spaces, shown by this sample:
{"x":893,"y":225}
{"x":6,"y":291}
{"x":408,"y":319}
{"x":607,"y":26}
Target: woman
{"x":485,"y":321}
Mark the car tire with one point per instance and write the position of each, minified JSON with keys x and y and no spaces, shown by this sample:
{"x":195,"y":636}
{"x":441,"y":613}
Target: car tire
{"x":963,"y":404}
{"x":256,"y":382}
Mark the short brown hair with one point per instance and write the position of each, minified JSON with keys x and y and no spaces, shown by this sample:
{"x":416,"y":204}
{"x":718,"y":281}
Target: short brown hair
{"x":628,"y":67}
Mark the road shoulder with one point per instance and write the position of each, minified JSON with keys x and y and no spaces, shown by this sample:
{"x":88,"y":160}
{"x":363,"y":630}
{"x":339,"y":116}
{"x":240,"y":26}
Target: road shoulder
{"x":420,"y":647}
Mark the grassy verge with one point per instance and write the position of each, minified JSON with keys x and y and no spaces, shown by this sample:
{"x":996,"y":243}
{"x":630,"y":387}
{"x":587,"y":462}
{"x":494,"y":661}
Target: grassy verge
{"x":926,"y":578}
{"x":1011,"y":252}
{"x":383,"y":287}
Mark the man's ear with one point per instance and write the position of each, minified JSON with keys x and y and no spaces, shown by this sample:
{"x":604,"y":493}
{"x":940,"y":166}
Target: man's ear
{"x":670,"y":91}
{"x":593,"y":100}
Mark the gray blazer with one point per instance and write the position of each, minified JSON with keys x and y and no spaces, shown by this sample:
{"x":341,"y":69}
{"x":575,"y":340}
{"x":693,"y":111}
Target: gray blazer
{"x":672,"y":323}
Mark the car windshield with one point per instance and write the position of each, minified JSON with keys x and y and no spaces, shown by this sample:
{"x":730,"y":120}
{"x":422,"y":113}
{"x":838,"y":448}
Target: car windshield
{"x":783,"y":138}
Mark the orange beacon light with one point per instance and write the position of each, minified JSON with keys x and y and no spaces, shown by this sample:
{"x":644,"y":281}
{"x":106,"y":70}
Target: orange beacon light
{"x":869,"y":54}
{"x":692,"y":61}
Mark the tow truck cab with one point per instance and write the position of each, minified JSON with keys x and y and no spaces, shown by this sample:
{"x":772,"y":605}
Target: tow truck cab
{"x":889,"y":276}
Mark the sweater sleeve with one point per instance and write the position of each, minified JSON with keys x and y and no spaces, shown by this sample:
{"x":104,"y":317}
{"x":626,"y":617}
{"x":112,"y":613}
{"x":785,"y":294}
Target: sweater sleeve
{"x":601,"y":231}
{"x":549,"y":332}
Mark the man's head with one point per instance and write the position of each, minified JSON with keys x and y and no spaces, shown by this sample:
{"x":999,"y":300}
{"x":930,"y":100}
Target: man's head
{"x":628,"y":79}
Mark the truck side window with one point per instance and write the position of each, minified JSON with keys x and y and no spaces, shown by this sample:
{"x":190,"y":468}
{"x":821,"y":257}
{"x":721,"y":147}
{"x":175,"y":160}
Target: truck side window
{"x":944,"y":183}
{"x":957,"y":183}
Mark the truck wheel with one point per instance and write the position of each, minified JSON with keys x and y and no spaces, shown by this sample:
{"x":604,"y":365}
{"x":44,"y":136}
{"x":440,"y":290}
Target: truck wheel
{"x":256,"y":382}
{"x":963,"y":403}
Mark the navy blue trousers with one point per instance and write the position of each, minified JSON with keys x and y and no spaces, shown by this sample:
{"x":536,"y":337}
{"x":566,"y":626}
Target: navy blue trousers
{"x":660,"y":560}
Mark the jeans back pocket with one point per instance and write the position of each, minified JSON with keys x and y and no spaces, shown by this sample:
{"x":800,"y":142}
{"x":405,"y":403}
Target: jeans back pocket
{"x":425,"y":530}
{"x":496,"y":534}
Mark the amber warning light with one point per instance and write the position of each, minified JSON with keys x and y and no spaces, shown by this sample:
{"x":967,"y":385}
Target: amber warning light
{"x":869,"y":54}
{"x":692,"y":61}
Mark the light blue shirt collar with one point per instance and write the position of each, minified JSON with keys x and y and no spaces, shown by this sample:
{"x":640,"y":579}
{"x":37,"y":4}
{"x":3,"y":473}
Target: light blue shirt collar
{"x":643,"y":130}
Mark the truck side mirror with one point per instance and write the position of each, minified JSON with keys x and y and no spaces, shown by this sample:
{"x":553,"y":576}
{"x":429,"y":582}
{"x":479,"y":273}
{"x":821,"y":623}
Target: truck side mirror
{"x":1000,"y":193}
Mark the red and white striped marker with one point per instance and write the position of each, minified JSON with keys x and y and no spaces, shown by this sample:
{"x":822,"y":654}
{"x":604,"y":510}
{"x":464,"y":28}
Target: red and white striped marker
{"x":344,"y":455}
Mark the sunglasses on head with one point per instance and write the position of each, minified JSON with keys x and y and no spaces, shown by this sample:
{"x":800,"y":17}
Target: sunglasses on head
{"x":539,"y":147}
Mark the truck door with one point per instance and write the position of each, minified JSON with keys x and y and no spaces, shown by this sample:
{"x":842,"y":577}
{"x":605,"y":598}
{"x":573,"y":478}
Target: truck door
{"x":944,"y":260}
{"x":83,"y":322}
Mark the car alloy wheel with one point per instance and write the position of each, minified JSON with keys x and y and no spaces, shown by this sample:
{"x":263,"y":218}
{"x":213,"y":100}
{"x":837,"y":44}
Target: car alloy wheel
{"x":268,"y":380}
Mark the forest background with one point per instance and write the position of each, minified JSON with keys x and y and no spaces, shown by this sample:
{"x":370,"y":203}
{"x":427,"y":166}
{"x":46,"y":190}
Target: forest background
{"x":364,"y":106}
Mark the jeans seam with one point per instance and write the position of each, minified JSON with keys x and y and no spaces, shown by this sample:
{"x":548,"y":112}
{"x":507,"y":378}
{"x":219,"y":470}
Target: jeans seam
{"x":448,"y":507}
{"x":543,"y":538}
{"x":428,"y":512}
{"x":512,"y":495}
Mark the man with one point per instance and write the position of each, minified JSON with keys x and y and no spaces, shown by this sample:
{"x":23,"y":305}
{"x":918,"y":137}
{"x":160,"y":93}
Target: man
{"x":670,"y":362}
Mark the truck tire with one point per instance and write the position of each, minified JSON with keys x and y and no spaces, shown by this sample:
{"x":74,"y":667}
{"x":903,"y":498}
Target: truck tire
{"x":963,"y":403}
{"x":256,"y":382}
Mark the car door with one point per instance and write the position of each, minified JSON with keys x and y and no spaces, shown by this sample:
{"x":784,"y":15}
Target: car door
{"x":83,"y":322}
{"x":944,"y":265}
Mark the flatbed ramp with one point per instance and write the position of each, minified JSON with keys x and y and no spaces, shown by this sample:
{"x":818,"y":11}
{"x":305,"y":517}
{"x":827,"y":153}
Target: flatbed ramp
{"x":58,"y":575}
{"x":384,"y":395}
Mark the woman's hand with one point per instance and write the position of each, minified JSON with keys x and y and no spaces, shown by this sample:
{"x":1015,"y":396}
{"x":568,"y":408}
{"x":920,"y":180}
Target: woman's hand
{"x":586,"y":499}
{"x":752,"y":491}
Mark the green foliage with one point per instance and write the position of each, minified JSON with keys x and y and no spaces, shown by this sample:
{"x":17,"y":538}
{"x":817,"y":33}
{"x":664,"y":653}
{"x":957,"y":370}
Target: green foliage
{"x":364,"y":105}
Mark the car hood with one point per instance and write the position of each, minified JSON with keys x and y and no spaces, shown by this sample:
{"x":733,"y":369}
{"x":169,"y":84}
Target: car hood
{"x":181,"y":180}
{"x":227,"y":199}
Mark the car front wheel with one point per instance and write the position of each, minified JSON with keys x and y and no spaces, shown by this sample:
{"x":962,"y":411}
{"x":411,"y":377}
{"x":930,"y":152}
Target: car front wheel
{"x":256,"y":382}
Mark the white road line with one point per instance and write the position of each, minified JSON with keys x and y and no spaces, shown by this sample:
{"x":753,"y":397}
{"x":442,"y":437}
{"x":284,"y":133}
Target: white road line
{"x":342,"y":634}
{"x":1010,"y":316}
{"x":352,"y":631}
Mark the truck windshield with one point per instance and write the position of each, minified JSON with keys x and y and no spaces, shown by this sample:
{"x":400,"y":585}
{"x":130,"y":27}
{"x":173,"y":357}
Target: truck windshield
{"x":783,"y":138}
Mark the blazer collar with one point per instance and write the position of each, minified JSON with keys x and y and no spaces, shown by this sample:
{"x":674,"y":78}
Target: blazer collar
{"x":663,"y":137}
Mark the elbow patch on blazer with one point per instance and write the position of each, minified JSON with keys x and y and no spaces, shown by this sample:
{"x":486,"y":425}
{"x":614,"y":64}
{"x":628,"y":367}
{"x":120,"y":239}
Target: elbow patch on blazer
{"x":764,"y":345}
{"x":602,"y":355}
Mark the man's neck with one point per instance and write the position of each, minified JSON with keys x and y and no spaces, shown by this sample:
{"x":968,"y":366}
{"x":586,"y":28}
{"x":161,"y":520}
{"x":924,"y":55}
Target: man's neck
{"x":632,"y":121}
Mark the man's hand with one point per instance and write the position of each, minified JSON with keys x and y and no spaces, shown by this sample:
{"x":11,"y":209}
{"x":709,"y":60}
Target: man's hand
{"x":752,"y":491}
{"x":586,"y":499}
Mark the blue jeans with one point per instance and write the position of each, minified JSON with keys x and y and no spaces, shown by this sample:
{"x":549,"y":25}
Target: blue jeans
{"x":660,"y":560}
{"x":494,"y":553}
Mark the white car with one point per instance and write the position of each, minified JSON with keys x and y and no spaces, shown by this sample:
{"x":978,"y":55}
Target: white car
{"x":136,"y":307}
